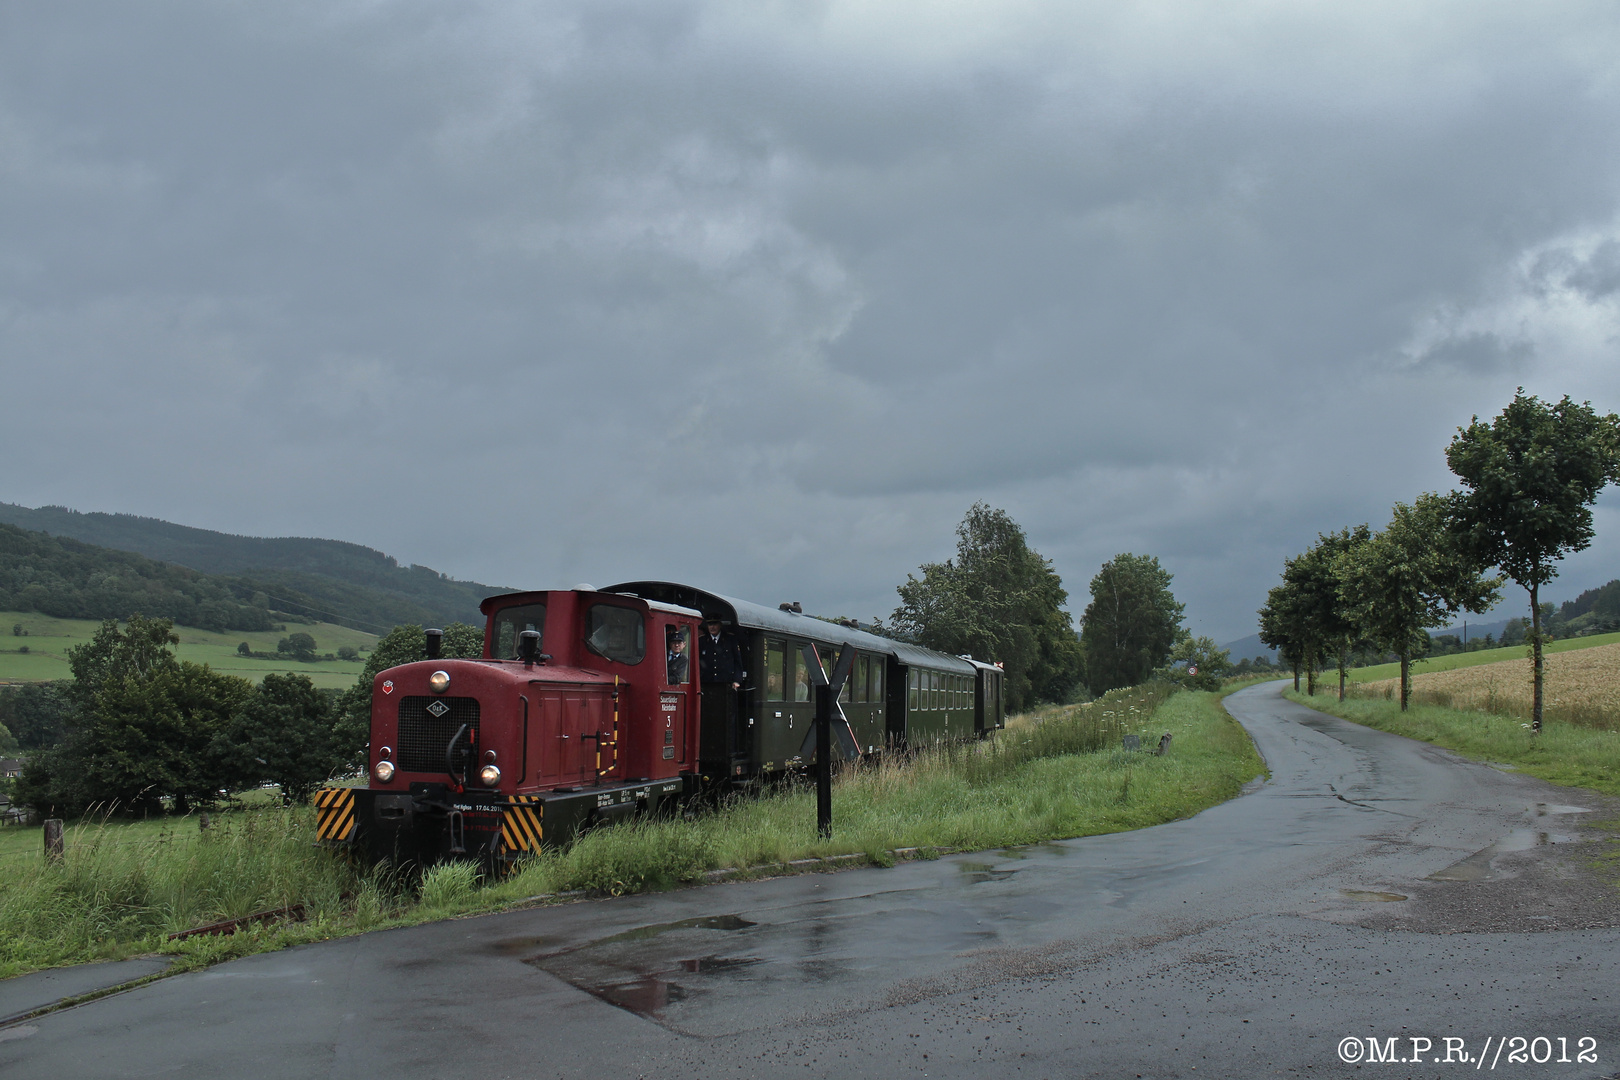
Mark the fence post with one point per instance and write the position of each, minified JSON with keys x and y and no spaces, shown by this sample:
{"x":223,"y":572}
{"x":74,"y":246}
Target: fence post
{"x":202,"y":822}
{"x":53,"y":839}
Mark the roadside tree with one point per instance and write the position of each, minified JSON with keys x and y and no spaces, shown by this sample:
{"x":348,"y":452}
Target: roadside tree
{"x":1409,"y":577}
{"x":1331,"y":626}
{"x":1131,"y":624}
{"x":1532,"y":475}
{"x":999,"y":599}
{"x":287,"y":729}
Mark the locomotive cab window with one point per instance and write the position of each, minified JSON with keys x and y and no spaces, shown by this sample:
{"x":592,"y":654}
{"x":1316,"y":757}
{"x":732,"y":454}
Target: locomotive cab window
{"x":512,"y":621}
{"x":678,"y":648}
{"x":616,"y":633}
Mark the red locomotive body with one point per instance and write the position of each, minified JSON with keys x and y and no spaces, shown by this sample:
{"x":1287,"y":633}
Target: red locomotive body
{"x":581,"y":709}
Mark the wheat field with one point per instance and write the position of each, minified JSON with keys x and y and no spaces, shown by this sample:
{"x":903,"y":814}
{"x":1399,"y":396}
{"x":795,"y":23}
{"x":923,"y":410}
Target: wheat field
{"x":1582,"y":687}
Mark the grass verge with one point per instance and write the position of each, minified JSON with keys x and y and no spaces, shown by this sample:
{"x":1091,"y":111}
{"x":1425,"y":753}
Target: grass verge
{"x":1565,"y":754}
{"x":1058,"y":773}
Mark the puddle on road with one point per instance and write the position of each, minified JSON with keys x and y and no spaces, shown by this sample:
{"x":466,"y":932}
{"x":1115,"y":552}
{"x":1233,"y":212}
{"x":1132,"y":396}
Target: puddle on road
{"x":714,"y":964}
{"x":1477,"y":867}
{"x":977,"y":872}
{"x":521,"y":946}
{"x":1543,"y":809}
{"x":1024,"y":851}
{"x":707,"y":922}
{"x":1370,"y":896}
{"x":645,"y":997}
{"x":648,"y":987}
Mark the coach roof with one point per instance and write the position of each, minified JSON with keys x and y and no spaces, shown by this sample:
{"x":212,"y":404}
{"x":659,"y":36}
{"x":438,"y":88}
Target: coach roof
{"x":774,"y":620}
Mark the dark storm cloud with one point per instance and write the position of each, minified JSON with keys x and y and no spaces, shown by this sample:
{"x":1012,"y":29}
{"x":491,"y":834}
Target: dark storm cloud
{"x":766,"y":295}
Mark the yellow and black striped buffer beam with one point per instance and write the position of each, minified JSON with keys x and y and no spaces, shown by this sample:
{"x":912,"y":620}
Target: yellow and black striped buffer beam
{"x":520,"y":825}
{"x":334,"y":814}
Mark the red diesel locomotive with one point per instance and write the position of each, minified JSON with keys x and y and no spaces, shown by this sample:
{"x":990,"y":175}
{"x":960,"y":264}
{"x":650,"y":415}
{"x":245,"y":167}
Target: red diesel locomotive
{"x":584,"y":710}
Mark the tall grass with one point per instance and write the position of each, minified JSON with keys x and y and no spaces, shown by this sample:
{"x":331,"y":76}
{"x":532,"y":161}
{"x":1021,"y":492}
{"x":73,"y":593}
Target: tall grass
{"x":1057,"y":773}
{"x":122,"y":888}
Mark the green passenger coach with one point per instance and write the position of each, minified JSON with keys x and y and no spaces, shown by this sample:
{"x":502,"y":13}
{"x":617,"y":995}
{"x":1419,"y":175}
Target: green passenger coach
{"x":898,"y":696}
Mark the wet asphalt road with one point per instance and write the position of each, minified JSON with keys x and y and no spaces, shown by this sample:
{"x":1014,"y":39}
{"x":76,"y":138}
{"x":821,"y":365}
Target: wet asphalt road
{"x":1247,"y":941}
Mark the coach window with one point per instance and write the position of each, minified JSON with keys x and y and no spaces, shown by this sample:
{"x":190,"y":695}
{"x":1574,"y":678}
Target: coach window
{"x":801,"y":675}
{"x":509,"y":623}
{"x":775,"y":677}
{"x":863,"y":663}
{"x":616,"y":633}
{"x":911,"y":690}
{"x":874,"y":681}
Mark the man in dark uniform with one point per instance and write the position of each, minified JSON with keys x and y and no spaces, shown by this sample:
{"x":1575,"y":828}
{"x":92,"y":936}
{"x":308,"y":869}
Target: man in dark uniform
{"x":719,"y":656}
{"x":676,"y":660}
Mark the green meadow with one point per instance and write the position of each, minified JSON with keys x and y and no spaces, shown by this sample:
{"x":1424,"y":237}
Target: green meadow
{"x":48,"y":641}
{"x":1471,"y":659}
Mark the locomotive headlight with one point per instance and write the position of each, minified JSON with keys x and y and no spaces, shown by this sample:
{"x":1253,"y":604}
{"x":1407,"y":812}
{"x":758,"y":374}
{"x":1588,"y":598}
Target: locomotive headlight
{"x":489,"y":775}
{"x":384,"y":771}
{"x":439,"y":681}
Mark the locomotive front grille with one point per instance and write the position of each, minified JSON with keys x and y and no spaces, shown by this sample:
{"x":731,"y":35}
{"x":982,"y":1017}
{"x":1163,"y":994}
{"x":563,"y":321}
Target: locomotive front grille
{"x":423,"y":736}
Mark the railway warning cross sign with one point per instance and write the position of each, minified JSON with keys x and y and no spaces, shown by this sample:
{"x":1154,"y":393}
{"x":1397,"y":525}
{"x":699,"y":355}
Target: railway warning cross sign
{"x":829,"y":718}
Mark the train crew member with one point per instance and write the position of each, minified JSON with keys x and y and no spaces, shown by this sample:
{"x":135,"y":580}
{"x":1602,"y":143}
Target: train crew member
{"x":677,"y":660}
{"x":719,"y":656}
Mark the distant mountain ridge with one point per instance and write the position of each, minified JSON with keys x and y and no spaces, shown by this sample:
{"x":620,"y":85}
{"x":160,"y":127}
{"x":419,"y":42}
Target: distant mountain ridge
{"x":327,"y":579}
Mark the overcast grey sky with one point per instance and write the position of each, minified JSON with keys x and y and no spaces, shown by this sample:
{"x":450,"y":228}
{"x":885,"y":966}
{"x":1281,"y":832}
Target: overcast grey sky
{"x":764,"y":296}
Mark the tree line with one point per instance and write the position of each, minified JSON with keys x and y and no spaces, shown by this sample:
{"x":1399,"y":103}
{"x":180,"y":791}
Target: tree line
{"x":136,"y":730}
{"x":1001,"y":600}
{"x":1528,"y":480}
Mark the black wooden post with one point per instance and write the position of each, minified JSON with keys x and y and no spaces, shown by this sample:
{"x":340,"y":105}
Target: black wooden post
{"x":53,"y":839}
{"x":824,"y":699}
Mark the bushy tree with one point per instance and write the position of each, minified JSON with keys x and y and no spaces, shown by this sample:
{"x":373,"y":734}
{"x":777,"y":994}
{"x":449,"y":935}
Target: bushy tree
{"x":1283,"y":627}
{"x":402,"y":645}
{"x":143,"y":726}
{"x":299,"y":646}
{"x":1131,"y":624}
{"x":1532,"y":475}
{"x":1306,"y":618}
{"x":999,"y":599}
{"x":35,"y":713}
{"x":1409,"y":577}
{"x":1198,"y":663}
{"x":287,"y":729}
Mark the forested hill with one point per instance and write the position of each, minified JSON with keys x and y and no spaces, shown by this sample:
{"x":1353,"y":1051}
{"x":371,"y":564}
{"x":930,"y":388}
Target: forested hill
{"x":69,"y":580}
{"x":325,"y":579}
